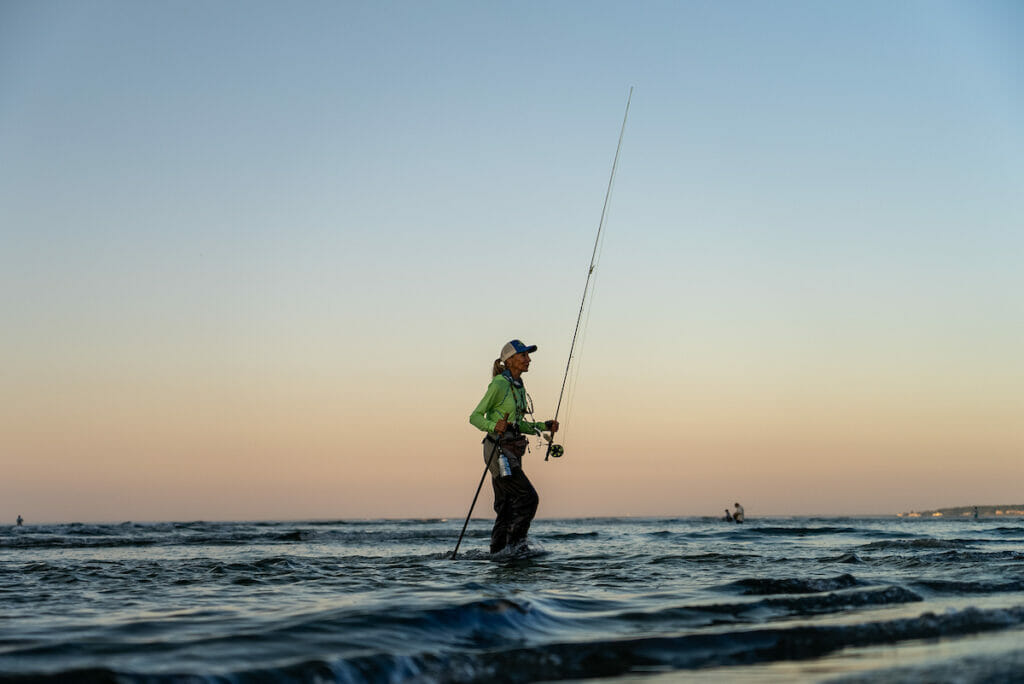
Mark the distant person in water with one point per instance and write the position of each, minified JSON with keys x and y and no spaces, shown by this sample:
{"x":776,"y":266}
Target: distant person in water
{"x":20,"y":520}
{"x":501,"y":414}
{"x":975,"y":511}
{"x":728,"y":516}
{"x":737,"y":515}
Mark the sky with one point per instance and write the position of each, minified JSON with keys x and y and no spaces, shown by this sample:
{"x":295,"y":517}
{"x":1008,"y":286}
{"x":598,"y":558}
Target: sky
{"x":257,"y":258}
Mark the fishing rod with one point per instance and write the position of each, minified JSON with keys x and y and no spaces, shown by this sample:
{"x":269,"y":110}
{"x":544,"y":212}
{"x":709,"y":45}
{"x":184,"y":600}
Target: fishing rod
{"x":553,"y":449}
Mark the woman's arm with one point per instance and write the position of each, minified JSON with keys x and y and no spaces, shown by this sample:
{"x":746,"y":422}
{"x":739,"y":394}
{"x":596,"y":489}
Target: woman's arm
{"x":526,"y":427}
{"x":478,"y":418}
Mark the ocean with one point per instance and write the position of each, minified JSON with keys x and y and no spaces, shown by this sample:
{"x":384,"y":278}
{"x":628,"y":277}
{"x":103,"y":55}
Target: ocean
{"x":625,"y":599}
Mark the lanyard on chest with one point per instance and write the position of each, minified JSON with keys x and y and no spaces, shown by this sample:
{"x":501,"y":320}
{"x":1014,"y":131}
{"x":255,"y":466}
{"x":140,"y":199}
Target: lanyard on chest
{"x":519,"y":396}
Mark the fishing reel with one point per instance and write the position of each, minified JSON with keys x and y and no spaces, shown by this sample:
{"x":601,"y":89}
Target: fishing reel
{"x":554,"y":450}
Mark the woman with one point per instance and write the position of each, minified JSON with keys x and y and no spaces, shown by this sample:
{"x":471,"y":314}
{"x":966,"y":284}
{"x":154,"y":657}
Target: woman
{"x":501,"y":415}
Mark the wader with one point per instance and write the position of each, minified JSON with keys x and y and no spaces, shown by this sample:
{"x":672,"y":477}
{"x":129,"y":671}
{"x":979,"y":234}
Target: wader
{"x":515,"y":499}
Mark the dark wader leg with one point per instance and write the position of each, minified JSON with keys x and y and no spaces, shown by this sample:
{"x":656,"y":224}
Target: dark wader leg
{"x":515,"y":502}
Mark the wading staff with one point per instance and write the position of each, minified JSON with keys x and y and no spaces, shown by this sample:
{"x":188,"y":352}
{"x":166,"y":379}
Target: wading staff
{"x":478,"y":488}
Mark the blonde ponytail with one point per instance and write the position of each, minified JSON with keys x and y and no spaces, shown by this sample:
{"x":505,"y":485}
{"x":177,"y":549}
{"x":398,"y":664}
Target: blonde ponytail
{"x":498,"y":368}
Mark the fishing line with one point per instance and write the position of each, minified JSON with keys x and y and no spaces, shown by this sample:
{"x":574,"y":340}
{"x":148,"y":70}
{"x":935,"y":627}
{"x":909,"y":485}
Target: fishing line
{"x":574,"y":381}
{"x":573,"y":387}
{"x":598,"y":242}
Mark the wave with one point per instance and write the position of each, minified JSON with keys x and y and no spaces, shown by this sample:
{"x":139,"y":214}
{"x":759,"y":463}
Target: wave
{"x":799,"y":531}
{"x":273,"y":570}
{"x":609,"y":658}
{"x":661,"y":534}
{"x":830,"y":603}
{"x":709,"y":557}
{"x":975,"y":556}
{"x":888,"y":534}
{"x":766,"y":586}
{"x":571,"y":535}
{"x":114,"y":537}
{"x":587,"y":659}
{"x":850,"y":558}
{"x":955,"y":588}
{"x":753,"y":531}
{"x":480,"y":623}
{"x":961,"y":557}
{"x":71,"y":543}
{"x":918,"y":544}
{"x":774,"y":608}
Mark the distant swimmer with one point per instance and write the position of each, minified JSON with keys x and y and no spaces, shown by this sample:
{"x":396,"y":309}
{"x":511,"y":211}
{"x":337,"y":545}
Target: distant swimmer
{"x":728,"y":516}
{"x":737,"y":515}
{"x":975,"y":511}
{"x":20,"y":520}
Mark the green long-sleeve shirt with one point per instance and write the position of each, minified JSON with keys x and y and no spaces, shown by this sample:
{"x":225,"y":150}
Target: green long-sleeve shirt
{"x":500,"y":398}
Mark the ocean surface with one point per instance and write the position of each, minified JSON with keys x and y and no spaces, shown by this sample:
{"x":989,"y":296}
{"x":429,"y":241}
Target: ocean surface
{"x":624,"y":599}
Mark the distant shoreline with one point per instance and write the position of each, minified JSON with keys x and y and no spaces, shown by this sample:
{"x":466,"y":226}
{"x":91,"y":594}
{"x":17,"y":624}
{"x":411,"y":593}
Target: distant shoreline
{"x":1015,"y":511}
{"x":1008,"y":511}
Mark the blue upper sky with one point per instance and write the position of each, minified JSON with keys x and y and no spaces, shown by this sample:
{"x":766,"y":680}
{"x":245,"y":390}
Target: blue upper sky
{"x":169,"y":155}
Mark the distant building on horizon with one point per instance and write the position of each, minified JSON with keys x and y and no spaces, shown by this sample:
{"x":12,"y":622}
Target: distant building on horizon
{"x":968,"y":511}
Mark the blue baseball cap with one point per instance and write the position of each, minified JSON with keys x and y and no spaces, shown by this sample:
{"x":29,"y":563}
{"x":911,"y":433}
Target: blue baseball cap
{"x":515,"y":347}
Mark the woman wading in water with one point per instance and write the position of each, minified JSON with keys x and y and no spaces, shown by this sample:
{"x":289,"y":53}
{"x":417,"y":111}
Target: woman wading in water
{"x":501,"y":415}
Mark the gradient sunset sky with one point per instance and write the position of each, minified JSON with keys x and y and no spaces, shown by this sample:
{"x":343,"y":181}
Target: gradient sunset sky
{"x":256,"y":258}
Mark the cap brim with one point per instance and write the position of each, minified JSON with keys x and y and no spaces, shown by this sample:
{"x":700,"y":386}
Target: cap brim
{"x":532,"y":348}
